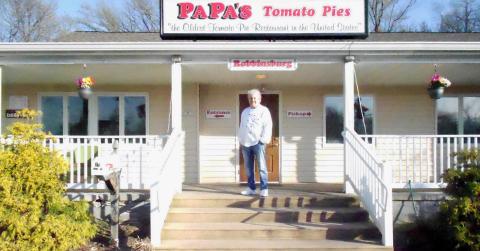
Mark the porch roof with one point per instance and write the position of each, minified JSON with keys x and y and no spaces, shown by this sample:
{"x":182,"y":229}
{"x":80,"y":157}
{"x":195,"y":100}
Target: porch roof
{"x":148,"y":48}
{"x":404,"y":59}
{"x":94,"y":36}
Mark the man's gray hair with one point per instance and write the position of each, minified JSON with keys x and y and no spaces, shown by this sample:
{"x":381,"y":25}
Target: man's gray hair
{"x":254,"y":92}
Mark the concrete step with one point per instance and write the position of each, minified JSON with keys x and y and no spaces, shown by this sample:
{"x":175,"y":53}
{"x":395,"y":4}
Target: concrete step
{"x":266,"y":245}
{"x":270,"y":230}
{"x":253,"y":215}
{"x":212,"y":199}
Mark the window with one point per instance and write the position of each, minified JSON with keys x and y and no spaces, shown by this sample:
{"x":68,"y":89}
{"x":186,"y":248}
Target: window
{"x":52,"y":114}
{"x":458,"y":115}
{"x":135,"y":116}
{"x":447,"y":115}
{"x":334,"y":117}
{"x":77,"y":116}
{"x":68,"y":114}
{"x":108,"y":116}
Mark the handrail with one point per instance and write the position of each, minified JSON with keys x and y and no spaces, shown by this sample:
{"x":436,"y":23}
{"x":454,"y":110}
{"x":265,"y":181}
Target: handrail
{"x":371,"y":180}
{"x":422,"y":136}
{"x":420,"y":159}
{"x":81,"y":152}
{"x":167,"y":182}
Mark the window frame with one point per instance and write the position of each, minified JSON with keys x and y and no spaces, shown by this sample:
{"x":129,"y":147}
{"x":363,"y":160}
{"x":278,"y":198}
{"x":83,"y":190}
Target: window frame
{"x":460,"y":114}
{"x":374,"y":119}
{"x":93,"y":109}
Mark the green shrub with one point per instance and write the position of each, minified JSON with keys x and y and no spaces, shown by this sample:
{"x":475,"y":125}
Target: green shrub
{"x":34,"y":212}
{"x":462,"y":210}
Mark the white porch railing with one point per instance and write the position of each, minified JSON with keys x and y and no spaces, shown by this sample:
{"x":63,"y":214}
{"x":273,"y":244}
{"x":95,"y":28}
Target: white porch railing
{"x":166,"y":183}
{"x":421,"y":159}
{"x":371,"y":181}
{"x":137,"y":156}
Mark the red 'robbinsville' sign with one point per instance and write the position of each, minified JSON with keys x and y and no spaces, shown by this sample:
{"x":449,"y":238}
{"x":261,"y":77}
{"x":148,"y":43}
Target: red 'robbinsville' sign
{"x":261,"y":19}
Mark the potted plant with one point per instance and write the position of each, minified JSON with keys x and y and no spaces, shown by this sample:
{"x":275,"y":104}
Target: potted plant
{"x":85,"y":85}
{"x":437,"y":86}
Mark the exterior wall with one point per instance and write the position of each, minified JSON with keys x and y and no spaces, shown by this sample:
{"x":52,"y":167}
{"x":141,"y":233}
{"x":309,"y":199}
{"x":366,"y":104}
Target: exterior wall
{"x":218,"y":150}
{"x":190,"y":126}
{"x":159,"y":98}
{"x":305,"y":157}
{"x":211,"y":155}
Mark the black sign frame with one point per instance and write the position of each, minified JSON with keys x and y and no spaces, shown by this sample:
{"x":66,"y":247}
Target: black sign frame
{"x":262,"y":36}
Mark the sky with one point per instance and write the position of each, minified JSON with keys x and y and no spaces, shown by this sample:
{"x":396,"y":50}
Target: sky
{"x":428,"y":11}
{"x":69,"y":7}
{"x":424,"y":10}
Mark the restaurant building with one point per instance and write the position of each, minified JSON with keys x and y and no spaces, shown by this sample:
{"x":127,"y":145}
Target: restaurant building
{"x":347,"y":108}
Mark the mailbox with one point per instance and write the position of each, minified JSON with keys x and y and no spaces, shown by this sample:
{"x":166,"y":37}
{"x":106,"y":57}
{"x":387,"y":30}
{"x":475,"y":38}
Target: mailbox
{"x":107,"y":168}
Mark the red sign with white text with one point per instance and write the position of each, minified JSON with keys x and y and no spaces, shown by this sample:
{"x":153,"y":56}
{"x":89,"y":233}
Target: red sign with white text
{"x":265,"y":18}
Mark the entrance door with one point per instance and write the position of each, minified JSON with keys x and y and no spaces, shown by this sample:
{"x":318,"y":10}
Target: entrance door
{"x":272,"y":149}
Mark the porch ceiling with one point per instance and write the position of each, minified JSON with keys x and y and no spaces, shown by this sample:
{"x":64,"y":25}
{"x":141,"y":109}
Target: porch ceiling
{"x":306,"y":74}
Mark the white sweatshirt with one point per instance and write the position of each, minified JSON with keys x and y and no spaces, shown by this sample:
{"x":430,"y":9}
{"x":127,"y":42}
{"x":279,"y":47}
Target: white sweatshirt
{"x":255,"y":126}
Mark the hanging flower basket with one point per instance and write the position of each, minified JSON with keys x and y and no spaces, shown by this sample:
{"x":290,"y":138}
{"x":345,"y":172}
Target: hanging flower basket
{"x":85,"y":93}
{"x":84,"y":86}
{"x":436,"y":92}
{"x":437,"y":86}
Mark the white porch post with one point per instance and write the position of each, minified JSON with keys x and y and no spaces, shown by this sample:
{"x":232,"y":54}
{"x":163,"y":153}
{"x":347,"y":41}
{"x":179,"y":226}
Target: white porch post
{"x":176,"y":93}
{"x":349,"y":96}
{"x":1,"y":99}
{"x":176,"y":99}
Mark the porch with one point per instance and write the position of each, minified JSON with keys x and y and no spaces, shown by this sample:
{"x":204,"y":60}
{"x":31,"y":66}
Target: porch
{"x":311,"y":149}
{"x":198,"y":150}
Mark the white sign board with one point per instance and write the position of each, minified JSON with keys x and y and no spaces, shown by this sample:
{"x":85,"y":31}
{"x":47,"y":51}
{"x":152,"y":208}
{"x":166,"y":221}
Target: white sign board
{"x":218,"y":114}
{"x":17,"y":102}
{"x":262,"y":65}
{"x":265,"y":18}
{"x":299,"y":114}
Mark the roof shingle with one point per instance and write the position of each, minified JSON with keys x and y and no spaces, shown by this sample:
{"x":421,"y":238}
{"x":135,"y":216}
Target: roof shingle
{"x":89,"y":36}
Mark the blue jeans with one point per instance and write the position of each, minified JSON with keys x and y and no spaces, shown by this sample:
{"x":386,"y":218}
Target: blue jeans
{"x":249,"y":155}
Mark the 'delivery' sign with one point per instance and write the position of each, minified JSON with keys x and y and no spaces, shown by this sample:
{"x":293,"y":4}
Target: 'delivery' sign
{"x":263,"y":19}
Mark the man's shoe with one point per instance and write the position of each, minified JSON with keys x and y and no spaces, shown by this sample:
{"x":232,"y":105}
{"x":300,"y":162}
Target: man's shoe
{"x":264,"y":193}
{"x":248,"y":191}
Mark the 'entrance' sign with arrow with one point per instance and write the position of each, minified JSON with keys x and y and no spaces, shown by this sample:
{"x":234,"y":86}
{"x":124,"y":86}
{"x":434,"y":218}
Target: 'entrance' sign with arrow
{"x":218,"y":114}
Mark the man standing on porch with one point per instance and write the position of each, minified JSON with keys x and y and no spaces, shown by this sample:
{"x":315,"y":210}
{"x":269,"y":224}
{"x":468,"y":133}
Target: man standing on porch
{"x":254,"y":134}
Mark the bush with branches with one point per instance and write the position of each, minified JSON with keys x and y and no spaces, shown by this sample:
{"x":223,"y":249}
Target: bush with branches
{"x":462,"y":210}
{"x":34,"y":212}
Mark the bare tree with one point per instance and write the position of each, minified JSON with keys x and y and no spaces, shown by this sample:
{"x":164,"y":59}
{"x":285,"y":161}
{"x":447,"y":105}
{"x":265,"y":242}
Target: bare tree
{"x":463,"y":17}
{"x":102,"y":17}
{"x":134,"y":15}
{"x":143,"y":15}
{"x":28,"y":20}
{"x":388,"y":15}
{"x":424,"y":27}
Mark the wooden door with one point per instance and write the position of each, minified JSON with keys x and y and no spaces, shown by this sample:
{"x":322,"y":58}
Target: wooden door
{"x":271,"y":101}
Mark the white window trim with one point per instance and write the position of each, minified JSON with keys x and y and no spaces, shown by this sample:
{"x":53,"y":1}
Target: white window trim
{"x":374,"y":111}
{"x":93,"y":109}
{"x":460,"y":120}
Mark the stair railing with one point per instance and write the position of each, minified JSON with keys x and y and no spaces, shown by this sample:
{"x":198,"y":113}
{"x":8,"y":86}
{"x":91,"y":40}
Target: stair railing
{"x":371,"y":180}
{"x":167,"y":182}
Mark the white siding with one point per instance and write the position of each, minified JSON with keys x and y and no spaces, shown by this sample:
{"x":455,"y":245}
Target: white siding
{"x":190,"y":126}
{"x":218,"y":151}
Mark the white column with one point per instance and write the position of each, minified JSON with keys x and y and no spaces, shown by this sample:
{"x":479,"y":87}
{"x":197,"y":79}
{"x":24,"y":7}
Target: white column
{"x":349,"y":92}
{"x":387,"y":235}
{"x":349,"y":96}
{"x":176,"y":93}
{"x":1,"y":100}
